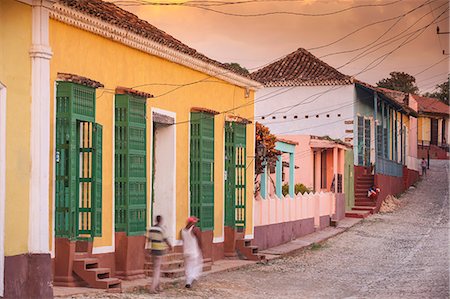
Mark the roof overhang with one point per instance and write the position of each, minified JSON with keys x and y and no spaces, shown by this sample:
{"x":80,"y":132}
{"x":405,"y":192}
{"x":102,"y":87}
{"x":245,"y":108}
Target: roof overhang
{"x":94,"y":25}
{"x":392,"y":102}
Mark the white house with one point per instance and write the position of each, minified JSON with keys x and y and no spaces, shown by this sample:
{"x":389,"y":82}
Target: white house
{"x":304,"y":95}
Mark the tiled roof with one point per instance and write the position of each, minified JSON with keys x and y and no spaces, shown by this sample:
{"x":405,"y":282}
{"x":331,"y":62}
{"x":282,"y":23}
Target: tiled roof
{"x":111,"y":13}
{"x":300,"y":68}
{"x":287,"y":141}
{"x":431,"y":105}
{"x":79,"y":80}
{"x":131,"y":91}
{"x":398,"y":96}
{"x":393,"y":96}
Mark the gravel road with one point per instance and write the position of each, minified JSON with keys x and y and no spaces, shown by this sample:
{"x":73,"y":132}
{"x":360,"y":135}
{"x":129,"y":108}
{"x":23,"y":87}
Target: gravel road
{"x":404,"y":254}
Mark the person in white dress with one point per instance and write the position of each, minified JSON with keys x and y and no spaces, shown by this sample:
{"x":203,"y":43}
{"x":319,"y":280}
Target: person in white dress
{"x":193,"y":259}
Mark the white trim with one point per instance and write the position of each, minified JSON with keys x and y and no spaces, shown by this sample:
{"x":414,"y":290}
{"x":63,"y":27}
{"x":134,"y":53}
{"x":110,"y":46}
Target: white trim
{"x":52,"y":250}
{"x":218,"y":239}
{"x":40,"y":53}
{"x":103,"y":249}
{"x":252,"y":182}
{"x":29,"y":2}
{"x":174,"y":157}
{"x":223,"y":186}
{"x":2,"y":183}
{"x":113,"y":232}
{"x":83,"y":21}
{"x":189,"y":166}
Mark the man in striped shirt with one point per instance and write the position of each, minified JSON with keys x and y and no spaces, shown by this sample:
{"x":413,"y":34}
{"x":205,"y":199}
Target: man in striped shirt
{"x":158,"y":243}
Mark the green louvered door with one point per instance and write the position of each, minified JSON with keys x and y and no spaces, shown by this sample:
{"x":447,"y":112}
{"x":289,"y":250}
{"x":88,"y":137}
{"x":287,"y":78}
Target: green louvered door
{"x":97,"y":169}
{"x":202,"y":169}
{"x":130,"y":165}
{"x":367,"y":141}
{"x":78,"y":183}
{"x":235,"y":180}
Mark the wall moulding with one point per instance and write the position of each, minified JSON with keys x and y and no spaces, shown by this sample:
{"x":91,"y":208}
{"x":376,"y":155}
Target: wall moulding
{"x":82,"y":21}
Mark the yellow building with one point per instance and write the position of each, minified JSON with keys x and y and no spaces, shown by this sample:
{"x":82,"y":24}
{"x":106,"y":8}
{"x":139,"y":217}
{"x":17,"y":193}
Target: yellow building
{"x":433,"y":121}
{"x":124,"y":122}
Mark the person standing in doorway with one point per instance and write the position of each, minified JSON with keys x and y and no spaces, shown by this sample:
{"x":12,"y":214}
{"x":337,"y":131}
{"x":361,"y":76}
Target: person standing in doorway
{"x":424,"y":165}
{"x":158,"y":243}
{"x":193,"y":259}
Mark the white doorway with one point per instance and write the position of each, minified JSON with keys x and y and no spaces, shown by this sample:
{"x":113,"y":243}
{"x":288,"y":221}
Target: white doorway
{"x":2,"y":183}
{"x":163,"y":195}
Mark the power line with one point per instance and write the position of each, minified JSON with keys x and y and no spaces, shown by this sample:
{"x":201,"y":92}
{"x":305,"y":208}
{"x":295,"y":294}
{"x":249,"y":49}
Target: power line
{"x":383,"y":34}
{"x":205,"y":5}
{"x":370,"y":25}
{"x":431,"y":66}
{"x":387,"y":42}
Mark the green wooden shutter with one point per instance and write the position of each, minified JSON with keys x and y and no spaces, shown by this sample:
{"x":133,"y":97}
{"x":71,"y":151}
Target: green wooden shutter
{"x":230,"y":176}
{"x":202,"y":169}
{"x":75,"y":103}
{"x":130,"y":165}
{"x":360,"y":140}
{"x":241,"y":170}
{"x":65,"y":207}
{"x":379,"y":141}
{"x":137,"y":166}
{"x":97,"y":197}
{"x":367,"y":137}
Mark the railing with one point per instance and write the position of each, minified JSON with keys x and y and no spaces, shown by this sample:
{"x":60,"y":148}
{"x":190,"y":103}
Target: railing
{"x":309,"y":205}
{"x":388,"y":167}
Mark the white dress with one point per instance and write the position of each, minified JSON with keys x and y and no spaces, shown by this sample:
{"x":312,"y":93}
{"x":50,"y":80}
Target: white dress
{"x":193,"y":260}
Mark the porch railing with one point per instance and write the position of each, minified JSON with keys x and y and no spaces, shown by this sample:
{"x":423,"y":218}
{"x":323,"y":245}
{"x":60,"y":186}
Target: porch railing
{"x":388,"y":167}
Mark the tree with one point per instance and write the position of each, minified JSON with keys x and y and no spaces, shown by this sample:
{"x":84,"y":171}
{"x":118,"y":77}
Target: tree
{"x":441,"y":93}
{"x":237,"y":67}
{"x":269,"y":158}
{"x":400,"y":81}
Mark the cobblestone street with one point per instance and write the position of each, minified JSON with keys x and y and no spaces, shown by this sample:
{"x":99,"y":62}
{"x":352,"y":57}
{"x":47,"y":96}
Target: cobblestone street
{"x":404,"y":254}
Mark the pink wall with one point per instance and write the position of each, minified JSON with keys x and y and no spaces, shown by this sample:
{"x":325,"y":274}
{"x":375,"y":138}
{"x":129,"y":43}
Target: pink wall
{"x":278,"y":210}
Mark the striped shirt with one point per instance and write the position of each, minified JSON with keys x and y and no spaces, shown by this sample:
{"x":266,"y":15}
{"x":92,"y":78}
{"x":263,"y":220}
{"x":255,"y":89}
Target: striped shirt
{"x":157,"y":239}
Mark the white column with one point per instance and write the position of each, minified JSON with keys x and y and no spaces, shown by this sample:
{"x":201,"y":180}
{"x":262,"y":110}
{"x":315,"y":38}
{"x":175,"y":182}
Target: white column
{"x":40,"y":53}
{"x":2,"y":182}
{"x":335,"y":168}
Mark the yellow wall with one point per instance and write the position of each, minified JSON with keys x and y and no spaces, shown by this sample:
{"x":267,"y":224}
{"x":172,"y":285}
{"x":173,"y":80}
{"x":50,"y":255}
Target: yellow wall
{"x":424,"y":128}
{"x":113,"y":64}
{"x":15,"y":74}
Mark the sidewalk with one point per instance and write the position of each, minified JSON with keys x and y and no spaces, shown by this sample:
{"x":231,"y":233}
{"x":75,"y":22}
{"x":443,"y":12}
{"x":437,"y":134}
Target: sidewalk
{"x":290,"y":248}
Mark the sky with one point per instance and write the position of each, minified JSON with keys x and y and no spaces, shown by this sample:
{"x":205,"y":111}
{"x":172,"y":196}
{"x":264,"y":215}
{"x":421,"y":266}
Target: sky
{"x":408,"y":42}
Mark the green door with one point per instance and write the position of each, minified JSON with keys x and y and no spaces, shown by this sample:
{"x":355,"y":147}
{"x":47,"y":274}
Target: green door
{"x":202,"y":169}
{"x":78,"y":195}
{"x":130,"y":165}
{"x":235,"y":178}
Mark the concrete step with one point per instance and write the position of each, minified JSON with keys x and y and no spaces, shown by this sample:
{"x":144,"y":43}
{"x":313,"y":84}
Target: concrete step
{"x":366,"y":203}
{"x":357,"y":214}
{"x":364,"y":208}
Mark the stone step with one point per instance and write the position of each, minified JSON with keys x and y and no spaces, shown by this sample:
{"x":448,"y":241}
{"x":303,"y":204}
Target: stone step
{"x":366,"y":203}
{"x":357,"y":214}
{"x":371,"y":209}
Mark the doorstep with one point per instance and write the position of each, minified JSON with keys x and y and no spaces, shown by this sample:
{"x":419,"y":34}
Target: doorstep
{"x":224,"y":265}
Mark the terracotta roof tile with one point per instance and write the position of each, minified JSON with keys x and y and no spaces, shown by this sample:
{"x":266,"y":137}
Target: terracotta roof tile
{"x":131,"y":91}
{"x":238,"y":119}
{"x":393,"y":96}
{"x":287,"y":141}
{"x":79,"y":80}
{"x":300,"y":68}
{"x":111,"y":13}
{"x":201,"y":109}
{"x":431,"y":105}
